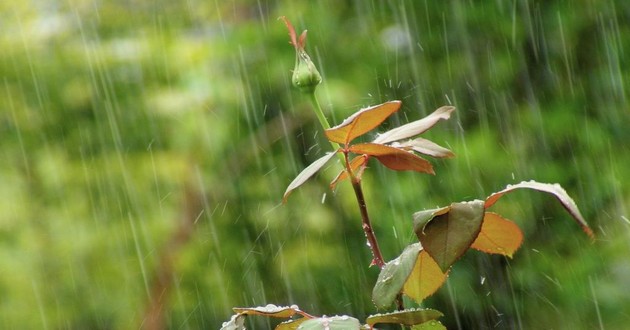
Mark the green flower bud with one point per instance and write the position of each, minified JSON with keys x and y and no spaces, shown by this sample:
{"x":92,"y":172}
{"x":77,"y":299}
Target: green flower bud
{"x":305,"y":75}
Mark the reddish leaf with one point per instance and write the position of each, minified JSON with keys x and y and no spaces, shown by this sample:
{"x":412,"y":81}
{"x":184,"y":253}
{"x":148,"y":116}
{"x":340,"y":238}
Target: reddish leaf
{"x":394,"y":158}
{"x":357,"y":164}
{"x":292,"y":34}
{"x":447,"y":233}
{"x":498,"y":236}
{"x":361,"y":122}
{"x":426,"y":147}
{"x":416,"y":127}
{"x":307,"y":173}
{"x":411,"y":316}
{"x":554,"y":189}
{"x":426,"y":277}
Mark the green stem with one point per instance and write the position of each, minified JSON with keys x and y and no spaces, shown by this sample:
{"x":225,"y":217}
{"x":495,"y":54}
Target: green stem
{"x":324,"y":122}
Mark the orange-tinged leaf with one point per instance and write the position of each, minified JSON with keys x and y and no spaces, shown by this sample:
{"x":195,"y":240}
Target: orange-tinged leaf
{"x":498,"y":236}
{"x":394,"y":158}
{"x":357,"y":164}
{"x":416,"y":127}
{"x":446,"y":236}
{"x":426,"y":277}
{"x":307,"y":173}
{"x":554,"y":189}
{"x":361,"y":122}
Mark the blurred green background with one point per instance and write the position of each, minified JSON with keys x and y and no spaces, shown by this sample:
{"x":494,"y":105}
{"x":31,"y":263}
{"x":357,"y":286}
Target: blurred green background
{"x":145,"y":147}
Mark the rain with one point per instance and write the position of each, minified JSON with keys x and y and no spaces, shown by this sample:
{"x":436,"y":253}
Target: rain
{"x":146,"y":146}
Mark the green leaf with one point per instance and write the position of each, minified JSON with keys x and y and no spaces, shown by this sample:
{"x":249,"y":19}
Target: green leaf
{"x":394,"y":158}
{"x":361,"y":122}
{"x":407,"y":317}
{"x":394,"y":275}
{"x":416,"y":127}
{"x":425,"y":278}
{"x":292,"y":324}
{"x":447,"y":234}
{"x":237,"y":322}
{"x":431,"y":325}
{"x":554,"y":189}
{"x":331,"y":323}
{"x":307,"y":173}
{"x":269,"y":310}
{"x":498,"y":236}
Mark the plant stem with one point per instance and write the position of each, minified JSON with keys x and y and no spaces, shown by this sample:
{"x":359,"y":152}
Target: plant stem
{"x":367,"y":226}
{"x":324,"y":122}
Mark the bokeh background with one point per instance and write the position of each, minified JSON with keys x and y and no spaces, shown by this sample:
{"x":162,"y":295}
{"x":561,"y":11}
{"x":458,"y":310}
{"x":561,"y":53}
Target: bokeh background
{"x":145,"y":147}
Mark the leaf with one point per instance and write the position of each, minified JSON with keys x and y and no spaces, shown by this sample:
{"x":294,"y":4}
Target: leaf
{"x":426,"y":147}
{"x":307,"y":173}
{"x":357,"y":164}
{"x":498,"y":236}
{"x":394,"y":275}
{"x":425,"y":278}
{"x":411,"y":316}
{"x":331,"y":323}
{"x":554,"y":189}
{"x":416,"y":127}
{"x":237,"y":322}
{"x":291,"y":324}
{"x":447,"y":235}
{"x":431,"y":325}
{"x":269,"y":310}
{"x":394,"y":158}
{"x":361,"y":122}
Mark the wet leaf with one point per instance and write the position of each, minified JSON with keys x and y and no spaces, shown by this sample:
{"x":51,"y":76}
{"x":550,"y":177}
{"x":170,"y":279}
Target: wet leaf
{"x":307,"y":173}
{"x":416,"y":127}
{"x":237,"y":322}
{"x":425,"y":147}
{"x":269,"y":310}
{"x":411,"y":316}
{"x":331,"y":323}
{"x":361,"y":122}
{"x":554,"y":189}
{"x":431,"y":325}
{"x":446,"y":235}
{"x":394,"y":158}
{"x":291,"y":325}
{"x":394,"y":275}
{"x":425,"y":278}
{"x":357,"y":164}
{"x":498,"y":236}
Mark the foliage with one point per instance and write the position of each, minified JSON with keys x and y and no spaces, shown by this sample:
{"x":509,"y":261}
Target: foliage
{"x":445,"y":234}
{"x":111,"y":111}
